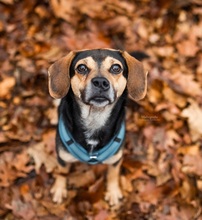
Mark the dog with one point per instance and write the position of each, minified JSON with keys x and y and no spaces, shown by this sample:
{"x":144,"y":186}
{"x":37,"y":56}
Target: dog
{"x":93,"y":86}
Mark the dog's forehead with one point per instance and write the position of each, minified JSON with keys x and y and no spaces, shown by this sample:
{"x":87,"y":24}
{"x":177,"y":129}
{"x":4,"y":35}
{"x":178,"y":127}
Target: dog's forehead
{"x":98,"y":55}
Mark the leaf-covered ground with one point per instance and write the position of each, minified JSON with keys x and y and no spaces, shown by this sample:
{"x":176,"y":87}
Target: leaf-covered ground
{"x":161,"y":176}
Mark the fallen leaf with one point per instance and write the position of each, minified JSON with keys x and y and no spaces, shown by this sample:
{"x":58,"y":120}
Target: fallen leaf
{"x":52,"y":115}
{"x":166,"y":51}
{"x":187,"y":191}
{"x":9,"y":2}
{"x":192,"y":164}
{"x":6,"y":86}
{"x":23,"y":209}
{"x":102,"y":215}
{"x":41,"y":157}
{"x":187,"y":48}
{"x":183,"y":83}
{"x":192,"y":150}
{"x":21,"y":163}
{"x":193,"y":113}
{"x":171,"y":138}
{"x":81,"y":179}
{"x":13,"y":166}
{"x":173,"y":97}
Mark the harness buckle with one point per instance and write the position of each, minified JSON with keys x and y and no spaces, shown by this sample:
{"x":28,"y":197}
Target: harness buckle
{"x":93,"y":156}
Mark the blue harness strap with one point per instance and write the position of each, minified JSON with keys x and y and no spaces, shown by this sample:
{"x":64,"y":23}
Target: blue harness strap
{"x":82,"y":154}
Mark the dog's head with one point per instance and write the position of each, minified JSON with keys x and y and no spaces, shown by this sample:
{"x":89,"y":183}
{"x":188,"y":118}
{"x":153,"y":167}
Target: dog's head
{"x":97,"y":77}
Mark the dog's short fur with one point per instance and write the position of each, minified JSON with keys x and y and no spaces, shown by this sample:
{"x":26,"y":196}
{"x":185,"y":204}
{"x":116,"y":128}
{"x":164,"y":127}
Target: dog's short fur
{"x":93,"y":86}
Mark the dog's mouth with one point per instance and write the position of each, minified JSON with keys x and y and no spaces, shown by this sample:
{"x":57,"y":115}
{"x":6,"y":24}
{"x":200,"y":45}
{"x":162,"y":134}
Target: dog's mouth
{"x":97,"y":98}
{"x":99,"y":101}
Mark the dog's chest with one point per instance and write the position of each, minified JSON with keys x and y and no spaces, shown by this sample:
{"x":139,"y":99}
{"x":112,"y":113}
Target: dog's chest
{"x":94,"y":119}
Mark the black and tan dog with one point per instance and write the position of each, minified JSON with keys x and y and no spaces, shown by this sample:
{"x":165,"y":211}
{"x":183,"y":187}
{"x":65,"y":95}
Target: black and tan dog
{"x":94,"y":85}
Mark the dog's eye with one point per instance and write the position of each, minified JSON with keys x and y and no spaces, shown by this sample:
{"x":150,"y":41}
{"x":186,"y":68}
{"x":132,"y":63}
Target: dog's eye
{"x":115,"y":69}
{"x":82,"y":68}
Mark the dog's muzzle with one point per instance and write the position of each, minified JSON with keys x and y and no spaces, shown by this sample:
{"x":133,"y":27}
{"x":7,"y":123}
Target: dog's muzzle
{"x":99,"y":92}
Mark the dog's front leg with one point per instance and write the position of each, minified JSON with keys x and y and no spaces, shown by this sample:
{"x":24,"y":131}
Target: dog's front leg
{"x":113,"y":192}
{"x":59,"y":188}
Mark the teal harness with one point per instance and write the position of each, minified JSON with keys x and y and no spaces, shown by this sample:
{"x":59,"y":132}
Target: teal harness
{"x":94,"y":157}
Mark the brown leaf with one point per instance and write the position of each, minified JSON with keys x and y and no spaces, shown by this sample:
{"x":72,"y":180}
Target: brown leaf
{"x":193,"y":113}
{"x":189,"y":150}
{"x":102,"y":215}
{"x":187,"y":190}
{"x":13,"y":166}
{"x":171,"y":137}
{"x":173,"y":97}
{"x":183,"y":83}
{"x":149,"y":192}
{"x":187,"y":48}
{"x":192,"y":159}
{"x":9,"y":2}
{"x":192,"y":164}
{"x":6,"y":86}
{"x":52,"y":115}
{"x":65,"y":9}
{"x":166,"y":51}
{"x":81,"y":179}
{"x":3,"y":138}
{"x":23,"y":210}
{"x":41,"y":156}
{"x":21,"y":162}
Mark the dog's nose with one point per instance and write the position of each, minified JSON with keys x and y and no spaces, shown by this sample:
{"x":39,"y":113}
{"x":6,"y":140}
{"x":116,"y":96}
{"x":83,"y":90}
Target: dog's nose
{"x":100,"y":83}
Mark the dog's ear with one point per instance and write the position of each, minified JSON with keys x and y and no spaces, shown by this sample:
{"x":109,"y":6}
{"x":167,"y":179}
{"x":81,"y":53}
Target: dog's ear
{"x":137,"y":78}
{"x":59,"y":77}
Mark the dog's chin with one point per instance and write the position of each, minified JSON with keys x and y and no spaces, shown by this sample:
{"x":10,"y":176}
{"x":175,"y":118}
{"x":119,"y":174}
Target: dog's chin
{"x":99,"y":102}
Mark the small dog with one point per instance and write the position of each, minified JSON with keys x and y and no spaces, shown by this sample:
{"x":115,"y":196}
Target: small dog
{"x":93,"y":86}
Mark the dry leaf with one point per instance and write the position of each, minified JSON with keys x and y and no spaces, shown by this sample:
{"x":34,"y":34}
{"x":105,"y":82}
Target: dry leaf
{"x":186,"y":190}
{"x":52,"y":115}
{"x":9,"y":2}
{"x":193,"y":113}
{"x":166,"y":51}
{"x":173,"y":97}
{"x":192,"y":150}
{"x":81,"y":179}
{"x":171,"y":137}
{"x":183,"y":83}
{"x":13,"y":166}
{"x":21,"y":163}
{"x":41,"y":157}
{"x":6,"y":86}
{"x":187,"y":48}
{"x":192,"y":164}
{"x":22,"y":209}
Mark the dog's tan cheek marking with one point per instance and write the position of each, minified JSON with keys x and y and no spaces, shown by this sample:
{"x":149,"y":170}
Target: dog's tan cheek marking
{"x":120,"y":84}
{"x":77,"y":85}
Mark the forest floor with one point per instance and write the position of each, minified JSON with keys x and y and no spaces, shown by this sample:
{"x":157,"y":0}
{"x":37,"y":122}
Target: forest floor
{"x":161,"y":175}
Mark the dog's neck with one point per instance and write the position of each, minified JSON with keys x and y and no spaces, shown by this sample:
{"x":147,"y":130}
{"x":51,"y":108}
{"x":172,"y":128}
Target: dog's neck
{"x":94,"y":119}
{"x":90,"y":126}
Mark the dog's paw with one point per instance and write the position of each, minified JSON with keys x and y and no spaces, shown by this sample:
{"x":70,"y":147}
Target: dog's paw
{"x":113,"y":195}
{"x":58,"y":189}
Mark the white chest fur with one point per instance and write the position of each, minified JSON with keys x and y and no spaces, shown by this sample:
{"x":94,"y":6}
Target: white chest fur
{"x":94,"y":118}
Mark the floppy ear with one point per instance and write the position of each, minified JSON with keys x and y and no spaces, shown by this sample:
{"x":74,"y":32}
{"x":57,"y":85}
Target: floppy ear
{"x":137,"y":78}
{"x":59,"y":77}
